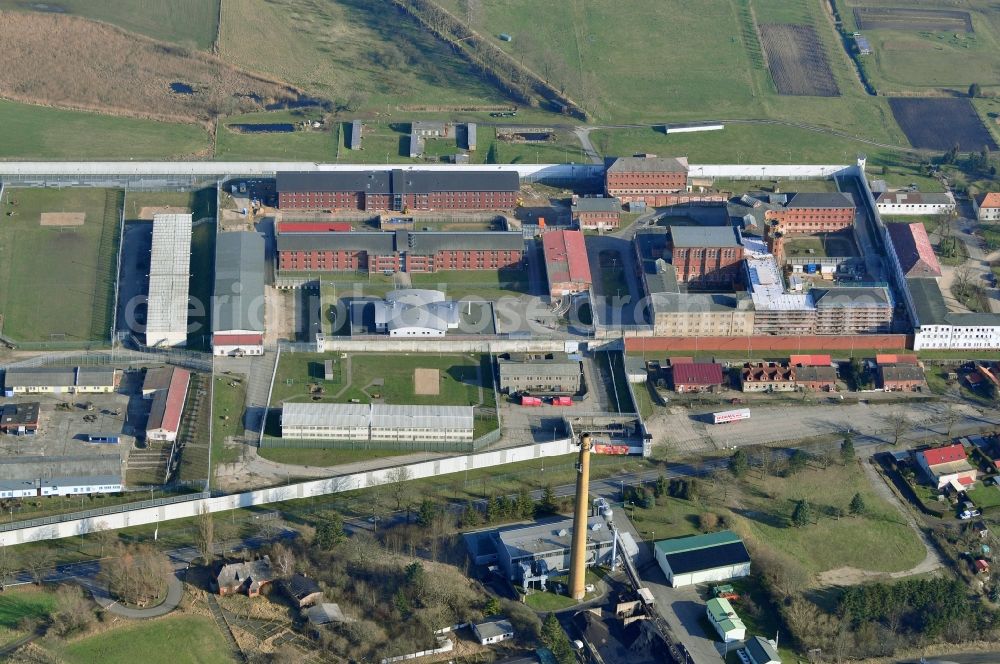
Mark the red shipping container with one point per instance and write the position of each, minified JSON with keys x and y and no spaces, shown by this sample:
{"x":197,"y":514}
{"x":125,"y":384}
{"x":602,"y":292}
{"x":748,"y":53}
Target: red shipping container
{"x":530,"y":401}
{"x":562,"y":401}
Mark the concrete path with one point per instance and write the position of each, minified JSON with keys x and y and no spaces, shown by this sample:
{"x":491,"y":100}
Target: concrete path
{"x":175,"y":592}
{"x":849,"y":576}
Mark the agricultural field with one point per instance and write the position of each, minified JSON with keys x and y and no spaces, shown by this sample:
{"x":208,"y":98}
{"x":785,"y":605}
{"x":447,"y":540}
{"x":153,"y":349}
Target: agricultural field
{"x":360,"y":54}
{"x":137,"y":76}
{"x":183,"y":22}
{"x":153,"y":642}
{"x":940,"y":124}
{"x":58,"y":247}
{"x":796,"y":61}
{"x":36,"y":132}
{"x":933,"y":48}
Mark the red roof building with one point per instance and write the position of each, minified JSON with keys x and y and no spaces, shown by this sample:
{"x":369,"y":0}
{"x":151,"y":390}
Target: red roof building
{"x":948,"y":465}
{"x":168,"y":406}
{"x":810,"y":360}
{"x":314,"y":227}
{"x":894,"y":358}
{"x":939,"y":455}
{"x":987,"y":206}
{"x":982,"y":566}
{"x":913,"y":250}
{"x":566,"y":263}
{"x":697,"y":377}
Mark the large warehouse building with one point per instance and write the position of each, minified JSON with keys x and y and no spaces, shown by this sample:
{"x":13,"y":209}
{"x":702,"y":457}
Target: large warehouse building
{"x":399,"y":251}
{"x":399,"y":190}
{"x":169,"y":273}
{"x":687,"y":561}
{"x":61,"y":380}
{"x":377,"y":423}
{"x":238,"y":302}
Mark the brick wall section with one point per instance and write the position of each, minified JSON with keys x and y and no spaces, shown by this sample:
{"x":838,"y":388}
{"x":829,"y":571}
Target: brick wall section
{"x":708,"y":265}
{"x":808,"y":221}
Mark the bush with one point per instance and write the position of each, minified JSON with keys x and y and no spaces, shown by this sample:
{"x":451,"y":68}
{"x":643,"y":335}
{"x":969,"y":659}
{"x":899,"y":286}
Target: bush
{"x":708,"y":521}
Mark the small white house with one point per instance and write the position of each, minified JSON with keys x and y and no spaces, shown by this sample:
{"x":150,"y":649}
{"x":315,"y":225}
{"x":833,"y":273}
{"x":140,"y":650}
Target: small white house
{"x":724,"y":619}
{"x":493,"y":630}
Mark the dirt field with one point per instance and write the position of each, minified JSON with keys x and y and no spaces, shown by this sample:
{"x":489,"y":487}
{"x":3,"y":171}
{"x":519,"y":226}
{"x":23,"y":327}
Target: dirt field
{"x":886,"y":18}
{"x":427,"y":381}
{"x":95,"y":66}
{"x":146,"y":213}
{"x":939,"y":124}
{"x":62,"y":218}
{"x":797,"y":61}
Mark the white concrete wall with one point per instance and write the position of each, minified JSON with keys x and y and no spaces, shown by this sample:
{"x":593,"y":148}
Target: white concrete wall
{"x":418,"y":345}
{"x":322,"y":487}
{"x":768,"y":171}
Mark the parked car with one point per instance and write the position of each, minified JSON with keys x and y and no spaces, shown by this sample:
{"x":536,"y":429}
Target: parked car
{"x":968,"y":511}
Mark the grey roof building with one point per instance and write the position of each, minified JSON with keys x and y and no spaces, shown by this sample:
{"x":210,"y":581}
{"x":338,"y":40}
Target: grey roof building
{"x":833,"y":199}
{"x":373,"y":243}
{"x":416,"y":312}
{"x":649,"y":165}
{"x":545,"y":548}
{"x":416,"y":143}
{"x":929,"y":307}
{"x":355,"y":141}
{"x":397,"y":181}
{"x":470,"y":136}
{"x":760,"y":651}
{"x":704,"y":236}
{"x":378,"y":423}
{"x":326,"y":613}
{"x":557,"y":375}
{"x":238,"y":301}
{"x":595,"y":204}
{"x":431,"y":242}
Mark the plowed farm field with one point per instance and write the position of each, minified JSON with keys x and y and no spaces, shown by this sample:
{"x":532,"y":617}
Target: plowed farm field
{"x":797,"y":60}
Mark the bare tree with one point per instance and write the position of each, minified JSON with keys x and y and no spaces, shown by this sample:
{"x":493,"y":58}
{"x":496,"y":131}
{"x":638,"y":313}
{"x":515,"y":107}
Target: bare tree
{"x":8,"y":564}
{"x":37,"y":563}
{"x":206,"y":536}
{"x":103,"y":536}
{"x":399,"y":488}
{"x":137,"y":574}
{"x":951,"y":416}
{"x":74,"y":612}
{"x":283,"y":559}
{"x":898,"y":425}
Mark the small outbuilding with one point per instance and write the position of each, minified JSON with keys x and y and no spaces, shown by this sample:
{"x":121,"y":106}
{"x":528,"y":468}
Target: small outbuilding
{"x":759,"y":650}
{"x":696,"y":376}
{"x":493,"y":630}
{"x":325,"y":614}
{"x":302,"y":590}
{"x":724,"y":619}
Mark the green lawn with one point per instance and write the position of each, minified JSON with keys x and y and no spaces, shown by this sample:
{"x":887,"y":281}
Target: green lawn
{"x":879,"y":541}
{"x":458,"y":378}
{"x":19,"y":604}
{"x":482,"y":283}
{"x":76,"y":276}
{"x":35,"y":132}
{"x":228,"y":397}
{"x":201,"y":202}
{"x":984,"y":496}
{"x":169,"y":640}
{"x":190,"y":23}
{"x":303,"y":145}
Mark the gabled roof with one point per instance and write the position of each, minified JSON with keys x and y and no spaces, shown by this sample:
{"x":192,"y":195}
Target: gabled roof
{"x":913,"y":198}
{"x":397,"y":181}
{"x":810,"y":360}
{"x":566,"y":257}
{"x":704,"y":236}
{"x":238,"y":299}
{"x":168,"y":405}
{"x":835,"y":199}
{"x":989,"y":200}
{"x":914,"y":251}
{"x":703,"y":552}
{"x":927,"y":301}
{"x":895,"y":358}
{"x":901,"y":372}
{"x":597,"y":205}
{"x":947,"y":454}
{"x":649,"y":165}
{"x":301,"y":586}
{"x":253,"y":574}
{"x":698,"y":373}
{"x":761,"y":651}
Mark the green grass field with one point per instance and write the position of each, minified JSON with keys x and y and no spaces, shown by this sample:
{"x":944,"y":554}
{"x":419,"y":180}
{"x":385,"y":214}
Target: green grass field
{"x":305,"y":145}
{"x":915,"y":60}
{"x":228,"y":397}
{"x":72,"y":268}
{"x":190,"y":23}
{"x":36,"y":132}
{"x":201,"y":202}
{"x":201,"y":284}
{"x":878,"y":541}
{"x":984,"y":496}
{"x":23,"y":604}
{"x":459,"y":384}
{"x":321,"y":457}
{"x":349,"y":48}
{"x":174,"y":640}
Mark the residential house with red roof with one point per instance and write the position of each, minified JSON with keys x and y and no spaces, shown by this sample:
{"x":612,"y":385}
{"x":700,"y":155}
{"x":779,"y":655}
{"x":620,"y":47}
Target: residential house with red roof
{"x":987,"y":206}
{"x":947,"y":466}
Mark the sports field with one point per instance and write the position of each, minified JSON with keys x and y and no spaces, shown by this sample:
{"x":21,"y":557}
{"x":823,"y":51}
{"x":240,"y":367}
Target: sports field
{"x":35,"y":132}
{"x":461,"y":379}
{"x":190,"y":23}
{"x":57,"y":283}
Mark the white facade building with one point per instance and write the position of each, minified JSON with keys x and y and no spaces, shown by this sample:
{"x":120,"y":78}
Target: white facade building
{"x":169,"y":273}
{"x":377,"y":422}
{"x":325,"y":421}
{"x":914,"y":202}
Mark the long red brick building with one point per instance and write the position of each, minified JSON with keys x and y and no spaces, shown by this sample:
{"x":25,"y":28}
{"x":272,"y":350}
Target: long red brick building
{"x":398,"y":190}
{"x":812,"y":213}
{"x":399,"y":251}
{"x":650,"y":179}
{"x":566,"y":264}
